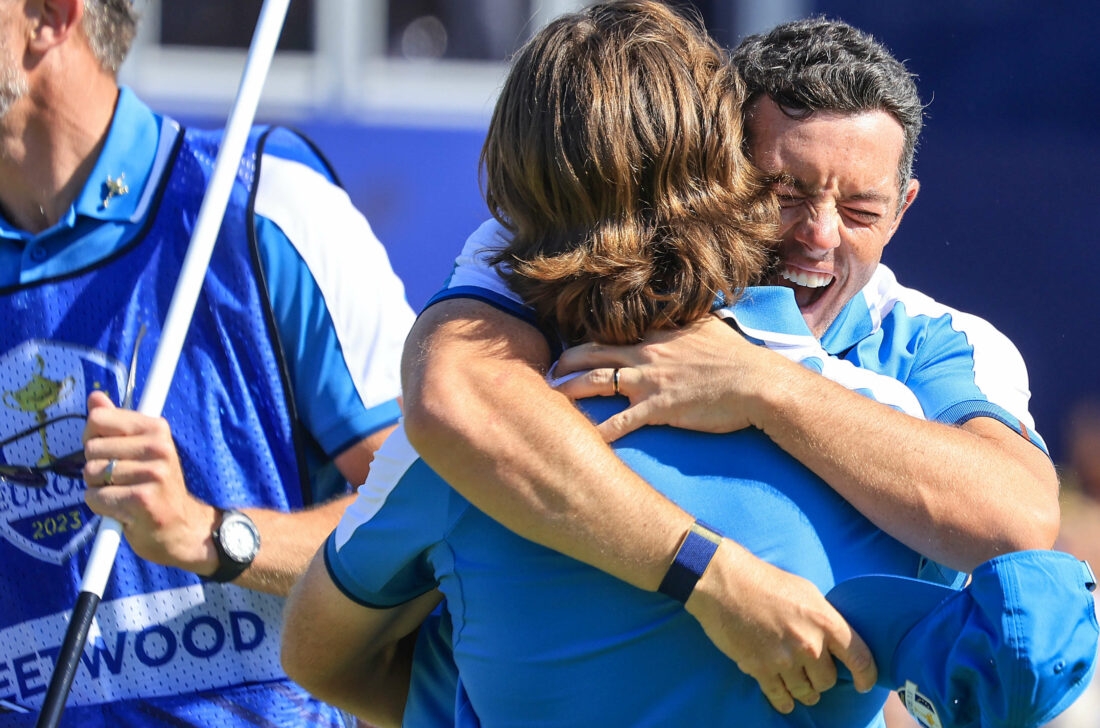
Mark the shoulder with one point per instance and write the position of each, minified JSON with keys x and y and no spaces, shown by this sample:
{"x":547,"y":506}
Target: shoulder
{"x":298,"y":191}
{"x":958,"y":355}
{"x":908,"y":308}
{"x":295,"y":180}
{"x":279,"y":144}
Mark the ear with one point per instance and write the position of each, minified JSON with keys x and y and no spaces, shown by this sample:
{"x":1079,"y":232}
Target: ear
{"x":56,"y":21}
{"x":910,"y":195}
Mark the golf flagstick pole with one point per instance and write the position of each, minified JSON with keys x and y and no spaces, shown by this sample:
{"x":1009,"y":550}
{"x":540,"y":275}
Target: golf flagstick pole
{"x":177,"y":321}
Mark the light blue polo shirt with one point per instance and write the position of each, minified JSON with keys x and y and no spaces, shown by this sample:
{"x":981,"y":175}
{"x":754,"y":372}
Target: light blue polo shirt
{"x":101,"y":228}
{"x":542,"y":639}
{"x":957,"y":365}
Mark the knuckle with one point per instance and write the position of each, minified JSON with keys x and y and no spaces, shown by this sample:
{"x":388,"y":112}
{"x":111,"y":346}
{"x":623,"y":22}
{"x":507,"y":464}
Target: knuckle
{"x":160,"y":428}
{"x":860,"y":661}
{"x":158,"y":449}
{"x":825,"y":682}
{"x":783,"y":662}
{"x":811,"y":697}
{"x":157,"y":471}
{"x":812,"y":649}
{"x":94,"y":422}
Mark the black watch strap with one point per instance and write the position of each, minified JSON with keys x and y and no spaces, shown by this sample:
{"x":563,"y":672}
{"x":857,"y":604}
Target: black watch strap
{"x":231,"y":565}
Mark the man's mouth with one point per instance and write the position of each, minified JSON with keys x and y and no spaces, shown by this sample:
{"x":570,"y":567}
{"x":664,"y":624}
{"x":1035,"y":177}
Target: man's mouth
{"x":808,"y":286}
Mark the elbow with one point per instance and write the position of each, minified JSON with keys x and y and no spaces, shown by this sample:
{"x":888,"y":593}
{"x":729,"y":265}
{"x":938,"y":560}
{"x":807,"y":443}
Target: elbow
{"x":297,"y":662}
{"x":1042,"y":526}
{"x":434,"y":412}
{"x":311,"y":671}
{"x":293,"y":665}
{"x":1035,"y":526}
{"x":303,"y":648}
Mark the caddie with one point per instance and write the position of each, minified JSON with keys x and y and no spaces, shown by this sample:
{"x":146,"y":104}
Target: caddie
{"x":287,"y":383}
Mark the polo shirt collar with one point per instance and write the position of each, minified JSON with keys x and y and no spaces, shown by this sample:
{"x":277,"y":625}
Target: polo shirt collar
{"x":771,"y":314}
{"x":765,"y":310}
{"x":862,"y":316}
{"x":127,"y":160}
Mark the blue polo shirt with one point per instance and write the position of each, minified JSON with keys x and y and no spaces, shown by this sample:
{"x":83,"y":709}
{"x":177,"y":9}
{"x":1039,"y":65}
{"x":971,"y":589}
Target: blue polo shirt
{"x":542,"y":639}
{"x":957,"y":365}
{"x":128,"y":154}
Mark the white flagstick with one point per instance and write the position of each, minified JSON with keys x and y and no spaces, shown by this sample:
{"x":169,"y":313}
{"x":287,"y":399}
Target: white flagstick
{"x":177,"y":321}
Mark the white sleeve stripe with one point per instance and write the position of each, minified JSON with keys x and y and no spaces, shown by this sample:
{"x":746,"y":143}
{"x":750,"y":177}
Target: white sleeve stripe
{"x":999,"y":370}
{"x":390,"y":464}
{"x":364,"y":297}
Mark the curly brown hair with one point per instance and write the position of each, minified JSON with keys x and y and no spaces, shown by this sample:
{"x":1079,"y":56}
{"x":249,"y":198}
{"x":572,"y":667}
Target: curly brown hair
{"x":614,"y":160}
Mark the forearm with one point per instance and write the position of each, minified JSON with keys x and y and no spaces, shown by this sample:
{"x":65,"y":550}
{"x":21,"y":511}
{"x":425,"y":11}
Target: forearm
{"x":483,"y":417}
{"x":959,"y":495}
{"x":357,"y":658}
{"x":288,"y":542}
{"x":375,"y":686}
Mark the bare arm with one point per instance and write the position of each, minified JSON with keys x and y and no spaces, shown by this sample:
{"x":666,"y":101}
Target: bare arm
{"x":479,"y":411}
{"x":349,"y":655}
{"x":164,"y":523}
{"x":960,"y":495}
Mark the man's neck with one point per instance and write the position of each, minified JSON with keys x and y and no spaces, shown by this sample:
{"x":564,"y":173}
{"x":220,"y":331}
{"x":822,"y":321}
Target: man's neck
{"x":49,"y":142}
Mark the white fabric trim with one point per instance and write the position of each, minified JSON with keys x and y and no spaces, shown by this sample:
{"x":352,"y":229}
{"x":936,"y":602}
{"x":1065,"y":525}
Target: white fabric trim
{"x":472,"y":267}
{"x":365,"y":298}
{"x":999,"y":370}
{"x":799,"y":348}
{"x":390,"y":464}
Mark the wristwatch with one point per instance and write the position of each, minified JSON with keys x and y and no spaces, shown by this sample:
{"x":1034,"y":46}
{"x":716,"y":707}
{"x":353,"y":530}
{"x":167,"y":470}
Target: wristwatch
{"x":237,"y":541}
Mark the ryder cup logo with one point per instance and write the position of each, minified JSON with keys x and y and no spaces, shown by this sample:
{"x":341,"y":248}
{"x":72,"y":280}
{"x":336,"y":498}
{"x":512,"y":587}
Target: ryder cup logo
{"x":44,"y":386}
{"x":919,"y":706}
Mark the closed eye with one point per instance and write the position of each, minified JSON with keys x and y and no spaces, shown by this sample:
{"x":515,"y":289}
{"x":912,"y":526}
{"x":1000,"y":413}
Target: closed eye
{"x":864,"y":217}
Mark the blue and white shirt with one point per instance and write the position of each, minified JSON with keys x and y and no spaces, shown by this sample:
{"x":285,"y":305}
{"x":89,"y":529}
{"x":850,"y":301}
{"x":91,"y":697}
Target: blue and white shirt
{"x":595,"y":651}
{"x":292,"y":355}
{"x":957,"y":365}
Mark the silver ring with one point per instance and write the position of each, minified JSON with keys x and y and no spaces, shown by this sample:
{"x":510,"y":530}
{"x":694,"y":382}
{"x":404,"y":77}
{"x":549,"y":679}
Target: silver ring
{"x":615,"y":380}
{"x":109,"y":472}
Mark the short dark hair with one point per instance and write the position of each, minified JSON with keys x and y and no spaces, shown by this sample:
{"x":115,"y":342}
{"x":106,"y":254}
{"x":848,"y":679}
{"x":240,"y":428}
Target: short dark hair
{"x":110,"y":26}
{"x":818,"y":64}
{"x":615,"y":160}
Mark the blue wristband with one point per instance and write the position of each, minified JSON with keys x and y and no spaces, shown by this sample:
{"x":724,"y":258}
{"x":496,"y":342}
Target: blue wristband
{"x":691,"y":561}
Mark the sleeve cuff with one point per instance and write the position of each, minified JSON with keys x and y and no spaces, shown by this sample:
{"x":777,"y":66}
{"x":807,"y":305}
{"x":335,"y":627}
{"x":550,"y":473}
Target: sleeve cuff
{"x":501,"y":303}
{"x":962,"y":412}
{"x":343,"y":581}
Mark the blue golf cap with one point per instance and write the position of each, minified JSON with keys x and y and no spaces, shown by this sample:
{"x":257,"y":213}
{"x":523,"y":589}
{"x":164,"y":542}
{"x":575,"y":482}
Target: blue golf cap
{"x":1012,"y":649}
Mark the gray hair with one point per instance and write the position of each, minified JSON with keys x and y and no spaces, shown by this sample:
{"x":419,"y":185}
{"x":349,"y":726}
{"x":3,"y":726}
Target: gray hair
{"x":110,"y":26}
{"x":827,"y":65}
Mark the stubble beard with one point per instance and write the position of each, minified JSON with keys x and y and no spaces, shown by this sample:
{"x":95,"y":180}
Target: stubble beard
{"x":13,"y":82}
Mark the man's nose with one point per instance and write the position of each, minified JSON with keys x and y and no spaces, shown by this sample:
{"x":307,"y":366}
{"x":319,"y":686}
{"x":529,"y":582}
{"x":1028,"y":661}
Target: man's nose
{"x":818,"y":229}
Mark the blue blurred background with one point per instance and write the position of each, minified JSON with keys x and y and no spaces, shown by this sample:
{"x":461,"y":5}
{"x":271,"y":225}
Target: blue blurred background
{"x":397,"y":93}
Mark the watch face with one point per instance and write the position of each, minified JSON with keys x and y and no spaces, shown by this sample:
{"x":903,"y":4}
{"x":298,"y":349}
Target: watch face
{"x":239,"y":539}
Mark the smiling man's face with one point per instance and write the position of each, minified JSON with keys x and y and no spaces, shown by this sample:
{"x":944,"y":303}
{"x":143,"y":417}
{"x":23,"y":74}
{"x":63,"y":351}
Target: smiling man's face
{"x":838,"y":193}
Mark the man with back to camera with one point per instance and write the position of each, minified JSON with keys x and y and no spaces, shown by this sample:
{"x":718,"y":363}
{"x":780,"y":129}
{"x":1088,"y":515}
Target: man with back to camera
{"x":283,"y":392}
{"x":835,"y":118}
